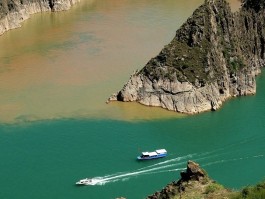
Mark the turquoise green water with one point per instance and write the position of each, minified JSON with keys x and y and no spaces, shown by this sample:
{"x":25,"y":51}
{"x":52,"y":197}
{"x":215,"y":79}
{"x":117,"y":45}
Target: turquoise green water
{"x":56,"y":128}
{"x":45,"y":159}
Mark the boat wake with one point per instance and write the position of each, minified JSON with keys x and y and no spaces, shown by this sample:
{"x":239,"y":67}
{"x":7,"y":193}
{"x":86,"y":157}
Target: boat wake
{"x":232,"y":160}
{"x":170,"y":161}
{"x":225,"y":154}
{"x":127,"y":175}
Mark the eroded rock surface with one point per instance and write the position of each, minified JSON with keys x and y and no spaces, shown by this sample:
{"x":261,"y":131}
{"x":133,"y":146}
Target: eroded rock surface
{"x":215,"y":55}
{"x":13,"y":12}
{"x":194,"y":183}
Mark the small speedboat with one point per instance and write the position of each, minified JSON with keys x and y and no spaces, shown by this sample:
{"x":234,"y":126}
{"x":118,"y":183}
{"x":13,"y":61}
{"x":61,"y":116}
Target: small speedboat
{"x":160,"y":153}
{"x":87,"y":181}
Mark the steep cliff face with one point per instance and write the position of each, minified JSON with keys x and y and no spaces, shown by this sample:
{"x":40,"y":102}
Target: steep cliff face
{"x":13,"y":12}
{"x":215,"y":55}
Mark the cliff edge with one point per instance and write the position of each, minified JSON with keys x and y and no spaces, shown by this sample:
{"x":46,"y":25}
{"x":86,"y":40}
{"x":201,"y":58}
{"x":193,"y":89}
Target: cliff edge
{"x":194,"y":183}
{"x":215,"y":55}
{"x":13,"y":12}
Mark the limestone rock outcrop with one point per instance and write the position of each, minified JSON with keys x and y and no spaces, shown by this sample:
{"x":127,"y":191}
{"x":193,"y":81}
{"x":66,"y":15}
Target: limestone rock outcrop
{"x":194,"y":183}
{"x":215,"y":55}
{"x":193,"y":172}
{"x":13,"y":12}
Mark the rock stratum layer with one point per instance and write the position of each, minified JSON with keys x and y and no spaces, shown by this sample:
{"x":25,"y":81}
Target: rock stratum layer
{"x":215,"y":55}
{"x":13,"y":12}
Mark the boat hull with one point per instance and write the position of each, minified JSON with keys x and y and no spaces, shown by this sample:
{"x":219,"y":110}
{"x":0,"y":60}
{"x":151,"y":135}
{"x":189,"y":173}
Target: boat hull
{"x":151,"y":157}
{"x":86,"y":182}
{"x":159,"y":153}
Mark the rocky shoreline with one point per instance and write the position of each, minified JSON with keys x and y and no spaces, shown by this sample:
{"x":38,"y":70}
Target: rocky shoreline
{"x":214,"y":56}
{"x":194,"y":183}
{"x":13,"y":13}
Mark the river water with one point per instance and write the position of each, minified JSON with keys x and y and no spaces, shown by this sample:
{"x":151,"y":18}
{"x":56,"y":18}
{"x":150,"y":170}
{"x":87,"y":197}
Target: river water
{"x":57,"y":72}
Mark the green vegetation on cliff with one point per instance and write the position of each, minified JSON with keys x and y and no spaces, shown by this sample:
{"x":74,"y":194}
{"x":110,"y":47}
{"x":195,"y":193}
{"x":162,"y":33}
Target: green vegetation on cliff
{"x":202,"y":47}
{"x":196,"y":184}
{"x":215,"y":55}
{"x":251,"y":192}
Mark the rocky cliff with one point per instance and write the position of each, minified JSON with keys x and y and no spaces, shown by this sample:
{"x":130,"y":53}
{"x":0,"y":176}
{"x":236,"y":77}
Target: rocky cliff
{"x":13,"y":12}
{"x":215,"y":55}
{"x":194,"y":183}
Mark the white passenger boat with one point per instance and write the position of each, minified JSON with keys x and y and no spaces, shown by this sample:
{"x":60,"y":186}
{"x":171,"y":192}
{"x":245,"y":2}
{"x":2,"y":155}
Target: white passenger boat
{"x":160,"y":153}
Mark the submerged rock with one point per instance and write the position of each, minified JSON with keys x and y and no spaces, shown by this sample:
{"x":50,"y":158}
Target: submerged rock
{"x":214,"y":56}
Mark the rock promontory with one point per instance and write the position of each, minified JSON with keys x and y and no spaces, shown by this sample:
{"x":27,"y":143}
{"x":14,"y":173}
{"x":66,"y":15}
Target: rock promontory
{"x":215,"y":55}
{"x":194,"y":183}
{"x":13,"y":12}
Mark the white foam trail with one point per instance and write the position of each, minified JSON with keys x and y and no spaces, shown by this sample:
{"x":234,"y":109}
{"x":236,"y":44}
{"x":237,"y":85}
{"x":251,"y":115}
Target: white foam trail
{"x":111,"y":175}
{"x":211,"y":156}
{"x":247,"y":140}
{"x":169,"y":161}
{"x":165,"y":171}
{"x":139,"y":172}
{"x":134,"y":174}
{"x":233,"y":159}
{"x":125,"y":179}
{"x":126,"y":176}
{"x":180,"y":169}
{"x":257,"y":156}
{"x":154,"y":168}
{"x":114,"y":178}
{"x":203,"y":155}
